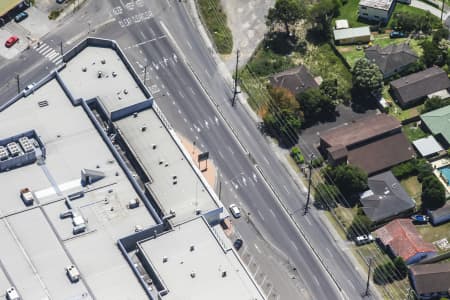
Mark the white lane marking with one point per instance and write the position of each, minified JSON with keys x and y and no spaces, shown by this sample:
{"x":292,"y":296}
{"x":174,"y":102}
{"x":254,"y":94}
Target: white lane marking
{"x":216,"y":120}
{"x":308,"y":220}
{"x":206,"y":124}
{"x":293,"y":244}
{"x":260,"y":215}
{"x":286,"y":189}
{"x":192,"y":90}
{"x":185,"y":121}
{"x":189,"y":45}
{"x":316,"y":280}
{"x":143,"y":35}
{"x":273,"y":213}
{"x":231,"y":150}
{"x":329,"y":252}
{"x":44,"y":53}
{"x":179,"y":111}
{"x":244,"y":181}
{"x":255,"y":177}
{"x":221,"y":154}
{"x":257,"y":249}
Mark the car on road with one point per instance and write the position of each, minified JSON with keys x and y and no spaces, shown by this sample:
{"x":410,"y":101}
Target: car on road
{"x":11,"y":41}
{"x":420,"y":219}
{"x":235,"y":211}
{"x":238,"y":244}
{"x":20,"y":17}
{"x":397,"y":34}
{"x":364,"y":239}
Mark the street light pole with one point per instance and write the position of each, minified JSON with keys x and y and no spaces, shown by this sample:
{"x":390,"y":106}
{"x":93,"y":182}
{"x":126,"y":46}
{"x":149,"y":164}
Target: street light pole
{"x":18,"y":83}
{"x":367,"y":292}
{"x":235,"y":91}
{"x":311,"y":157}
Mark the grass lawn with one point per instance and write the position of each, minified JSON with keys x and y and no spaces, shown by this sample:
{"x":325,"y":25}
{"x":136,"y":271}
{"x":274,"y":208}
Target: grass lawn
{"x":413,"y":132}
{"x":413,"y":187}
{"x":432,"y":233}
{"x":396,"y":111}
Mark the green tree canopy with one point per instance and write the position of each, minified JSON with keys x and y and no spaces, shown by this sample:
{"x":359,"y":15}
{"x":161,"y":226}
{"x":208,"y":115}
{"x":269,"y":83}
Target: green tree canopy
{"x":286,"y":13}
{"x":330,"y":88}
{"x":326,"y":195}
{"x":360,"y":225}
{"x":433,"y":54}
{"x":367,"y":78}
{"x":435,"y":103}
{"x":433,"y":193}
{"x":283,"y":119}
{"x":384,"y":273}
{"x":315,"y":105}
{"x":350,"y":180}
{"x":440,"y":34}
{"x":401,"y":268}
{"x":321,"y":14}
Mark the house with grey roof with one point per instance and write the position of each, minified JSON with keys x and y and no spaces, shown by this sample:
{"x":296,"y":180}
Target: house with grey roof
{"x":391,"y":59}
{"x":297,"y":80}
{"x":385,"y":198}
{"x":356,"y":35}
{"x":410,"y":90}
{"x":431,"y":281}
{"x":376,"y":10}
{"x":440,"y":215}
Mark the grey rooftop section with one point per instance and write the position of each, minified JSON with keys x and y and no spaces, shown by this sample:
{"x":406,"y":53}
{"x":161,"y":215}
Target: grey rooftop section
{"x":427,"y":146}
{"x":193,"y":262}
{"x":346,"y":33}
{"x":378,"y":4}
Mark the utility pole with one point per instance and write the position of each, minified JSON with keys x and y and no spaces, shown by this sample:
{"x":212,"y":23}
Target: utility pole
{"x":235,"y":91}
{"x":442,"y":10}
{"x":367,"y":292}
{"x":311,"y":157}
{"x":61,"y":47}
{"x":18,"y":83}
{"x":145,"y":74}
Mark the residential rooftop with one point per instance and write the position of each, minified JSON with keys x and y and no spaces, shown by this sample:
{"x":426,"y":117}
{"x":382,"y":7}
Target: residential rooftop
{"x":193,"y":261}
{"x":427,"y":146}
{"x":347,"y":33}
{"x":378,"y":4}
{"x":431,"y":278}
{"x":438,"y":122}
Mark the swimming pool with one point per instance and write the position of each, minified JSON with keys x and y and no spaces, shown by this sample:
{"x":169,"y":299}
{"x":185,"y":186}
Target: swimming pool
{"x":445,"y":172}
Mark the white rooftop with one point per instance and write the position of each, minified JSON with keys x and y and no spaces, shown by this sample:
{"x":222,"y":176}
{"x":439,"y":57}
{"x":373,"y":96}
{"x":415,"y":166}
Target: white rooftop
{"x":209,"y":270}
{"x":342,"y":24}
{"x":36,"y":244}
{"x":378,"y":4}
{"x":427,"y":146}
{"x":347,"y":33}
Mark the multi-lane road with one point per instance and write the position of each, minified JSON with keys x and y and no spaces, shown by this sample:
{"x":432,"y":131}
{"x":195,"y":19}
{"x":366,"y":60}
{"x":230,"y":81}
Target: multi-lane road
{"x":160,"y":38}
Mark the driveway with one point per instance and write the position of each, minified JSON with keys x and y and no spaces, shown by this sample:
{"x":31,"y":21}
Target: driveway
{"x":433,"y":10}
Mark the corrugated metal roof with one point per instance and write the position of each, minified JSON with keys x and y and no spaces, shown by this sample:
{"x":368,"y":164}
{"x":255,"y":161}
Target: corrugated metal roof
{"x":438,"y":121}
{"x":348,"y":33}
{"x":427,"y":146}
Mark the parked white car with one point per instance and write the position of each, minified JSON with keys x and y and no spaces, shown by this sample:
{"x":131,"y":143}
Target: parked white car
{"x":364,"y":239}
{"x":235,"y":211}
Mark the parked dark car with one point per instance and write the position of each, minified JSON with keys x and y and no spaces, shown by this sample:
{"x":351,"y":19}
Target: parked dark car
{"x":60,"y":1}
{"x":20,"y":17}
{"x":238,"y":244}
{"x":397,"y":34}
{"x":420,"y":219}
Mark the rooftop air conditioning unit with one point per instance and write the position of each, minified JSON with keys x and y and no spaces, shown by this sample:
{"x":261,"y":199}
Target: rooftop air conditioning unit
{"x":12,"y":294}
{"x":133,"y":203}
{"x":73,"y":273}
{"x":27,"y":196}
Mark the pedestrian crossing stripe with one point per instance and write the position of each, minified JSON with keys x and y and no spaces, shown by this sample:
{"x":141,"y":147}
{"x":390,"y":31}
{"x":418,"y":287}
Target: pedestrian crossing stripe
{"x":49,"y":53}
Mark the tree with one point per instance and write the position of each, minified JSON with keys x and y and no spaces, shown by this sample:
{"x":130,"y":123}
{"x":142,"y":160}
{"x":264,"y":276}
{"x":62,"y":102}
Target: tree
{"x":440,"y":34}
{"x":287,"y":13}
{"x":283,"y":119}
{"x":315,"y":105}
{"x":432,"y":54}
{"x":433,"y":193}
{"x":321,"y":14}
{"x":350,"y":180}
{"x":326,"y":195}
{"x":330,"y":88}
{"x":435,"y":103}
{"x":367,"y":78}
{"x":361,"y":224}
{"x":401,"y":268}
{"x":384,"y":274}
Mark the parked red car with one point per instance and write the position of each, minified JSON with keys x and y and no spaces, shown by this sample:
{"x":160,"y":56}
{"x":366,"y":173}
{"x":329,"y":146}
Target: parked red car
{"x":11,"y":41}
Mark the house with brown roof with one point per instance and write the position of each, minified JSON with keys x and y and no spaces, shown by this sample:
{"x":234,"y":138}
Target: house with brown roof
{"x":401,"y":238}
{"x":431,"y":280}
{"x":410,"y":90}
{"x":374,"y":143}
{"x":297,"y":80}
{"x":391,"y":59}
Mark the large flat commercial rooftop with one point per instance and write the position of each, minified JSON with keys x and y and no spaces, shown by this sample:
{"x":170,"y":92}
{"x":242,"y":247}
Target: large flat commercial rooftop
{"x":36,"y":243}
{"x":193,"y":263}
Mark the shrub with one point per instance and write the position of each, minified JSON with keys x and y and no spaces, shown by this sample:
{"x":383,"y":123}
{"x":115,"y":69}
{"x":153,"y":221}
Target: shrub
{"x":54,"y":14}
{"x":361,"y":224}
{"x":297,"y":155}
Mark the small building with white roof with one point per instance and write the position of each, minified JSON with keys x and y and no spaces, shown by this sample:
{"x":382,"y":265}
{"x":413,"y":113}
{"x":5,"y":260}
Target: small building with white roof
{"x":376,"y":10}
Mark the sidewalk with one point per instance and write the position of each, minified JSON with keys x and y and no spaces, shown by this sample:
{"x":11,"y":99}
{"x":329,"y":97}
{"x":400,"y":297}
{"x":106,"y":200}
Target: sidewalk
{"x":427,"y":7}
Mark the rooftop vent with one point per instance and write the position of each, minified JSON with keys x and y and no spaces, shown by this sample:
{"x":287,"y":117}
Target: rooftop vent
{"x":125,"y":91}
{"x":114,"y":74}
{"x":135,"y":115}
{"x":165,"y":259}
{"x":103,"y":61}
{"x":143,"y":128}
{"x":12,"y":294}
{"x":133,"y":203}
{"x":84,"y":69}
{"x":153,"y":146}
{"x":192,"y":274}
{"x":138,"y":228}
{"x":198,"y":211}
{"x":161,"y":162}
{"x":224,"y":274}
{"x":73,"y":273}
{"x":192,"y":248}
{"x":174,"y":182}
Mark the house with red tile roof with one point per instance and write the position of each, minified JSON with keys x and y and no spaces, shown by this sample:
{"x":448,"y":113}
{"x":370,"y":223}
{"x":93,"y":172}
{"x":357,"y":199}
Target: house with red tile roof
{"x":400,"y":238}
